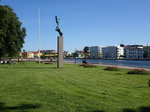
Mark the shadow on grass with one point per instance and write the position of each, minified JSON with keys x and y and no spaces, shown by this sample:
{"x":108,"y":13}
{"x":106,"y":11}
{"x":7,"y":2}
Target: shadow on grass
{"x":88,"y":109}
{"x":142,"y":86}
{"x":129,"y":110}
{"x":23,"y":107}
{"x":141,"y":109}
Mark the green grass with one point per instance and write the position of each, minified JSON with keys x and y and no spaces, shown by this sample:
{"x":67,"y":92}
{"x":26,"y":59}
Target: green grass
{"x":33,"y":87}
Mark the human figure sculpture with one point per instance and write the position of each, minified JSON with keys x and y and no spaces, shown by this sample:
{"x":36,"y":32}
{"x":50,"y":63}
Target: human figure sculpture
{"x":57,"y":27}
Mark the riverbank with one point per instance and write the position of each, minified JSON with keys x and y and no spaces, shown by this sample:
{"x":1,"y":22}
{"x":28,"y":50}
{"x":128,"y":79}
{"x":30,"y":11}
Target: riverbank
{"x":129,"y":63}
{"x":119,"y":66}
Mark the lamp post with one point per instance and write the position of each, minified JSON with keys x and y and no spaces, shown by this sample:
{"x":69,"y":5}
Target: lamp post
{"x":39,"y":34}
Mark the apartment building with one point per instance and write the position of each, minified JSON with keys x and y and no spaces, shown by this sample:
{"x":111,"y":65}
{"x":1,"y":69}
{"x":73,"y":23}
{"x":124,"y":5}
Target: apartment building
{"x":113,"y":52}
{"x":95,"y":52}
{"x":137,"y":52}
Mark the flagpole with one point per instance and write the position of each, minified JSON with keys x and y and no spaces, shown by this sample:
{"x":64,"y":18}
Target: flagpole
{"x":39,"y":34}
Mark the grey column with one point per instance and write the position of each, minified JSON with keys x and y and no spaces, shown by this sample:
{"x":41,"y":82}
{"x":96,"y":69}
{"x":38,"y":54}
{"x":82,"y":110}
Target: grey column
{"x":60,"y":62}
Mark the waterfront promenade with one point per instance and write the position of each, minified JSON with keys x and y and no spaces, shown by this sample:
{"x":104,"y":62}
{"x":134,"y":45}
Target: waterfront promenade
{"x":113,"y":64}
{"x":128,"y":64}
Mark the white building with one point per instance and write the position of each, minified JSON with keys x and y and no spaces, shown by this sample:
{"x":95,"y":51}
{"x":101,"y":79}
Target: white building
{"x":137,"y":52}
{"x":95,"y":52}
{"x":113,"y":52}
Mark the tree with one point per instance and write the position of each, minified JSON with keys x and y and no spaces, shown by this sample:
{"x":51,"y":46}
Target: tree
{"x":145,"y":54}
{"x":86,"y":52}
{"x":75,"y":54}
{"x":11,"y":33}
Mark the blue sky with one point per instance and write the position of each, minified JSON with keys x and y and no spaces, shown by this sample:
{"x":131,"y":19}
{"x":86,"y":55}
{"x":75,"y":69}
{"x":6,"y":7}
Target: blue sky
{"x":84,"y":22}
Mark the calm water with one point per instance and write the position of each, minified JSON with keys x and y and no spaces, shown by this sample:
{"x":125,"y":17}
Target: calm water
{"x":132,"y":63}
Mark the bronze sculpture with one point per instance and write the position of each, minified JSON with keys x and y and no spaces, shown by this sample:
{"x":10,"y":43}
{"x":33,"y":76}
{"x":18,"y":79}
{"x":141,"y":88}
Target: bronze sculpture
{"x":57,"y":27}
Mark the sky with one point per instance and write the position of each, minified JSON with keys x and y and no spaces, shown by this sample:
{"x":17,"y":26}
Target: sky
{"x":83,"y":22}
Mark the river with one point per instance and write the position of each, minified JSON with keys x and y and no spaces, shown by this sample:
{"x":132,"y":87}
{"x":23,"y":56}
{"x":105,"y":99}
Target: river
{"x":130,"y":63}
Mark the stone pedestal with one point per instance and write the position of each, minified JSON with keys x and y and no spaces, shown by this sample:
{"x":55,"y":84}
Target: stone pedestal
{"x":60,"y":61}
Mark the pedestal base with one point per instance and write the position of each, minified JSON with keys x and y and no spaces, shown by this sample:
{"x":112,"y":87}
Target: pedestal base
{"x":60,"y":61}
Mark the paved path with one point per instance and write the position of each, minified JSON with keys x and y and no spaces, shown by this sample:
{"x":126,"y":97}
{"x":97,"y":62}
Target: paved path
{"x":126,"y":67}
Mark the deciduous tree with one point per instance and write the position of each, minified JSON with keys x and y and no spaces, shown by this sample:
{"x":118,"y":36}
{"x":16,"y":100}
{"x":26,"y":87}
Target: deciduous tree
{"x":86,"y":51}
{"x":11,"y":33}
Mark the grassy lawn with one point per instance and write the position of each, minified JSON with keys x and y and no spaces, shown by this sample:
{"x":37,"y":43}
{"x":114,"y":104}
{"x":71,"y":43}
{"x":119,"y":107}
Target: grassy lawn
{"x":33,"y":87}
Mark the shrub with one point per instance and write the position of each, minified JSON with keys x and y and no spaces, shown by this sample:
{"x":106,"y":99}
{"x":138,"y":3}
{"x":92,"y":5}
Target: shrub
{"x":111,"y":68}
{"x":137,"y":71}
{"x":88,"y":65}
